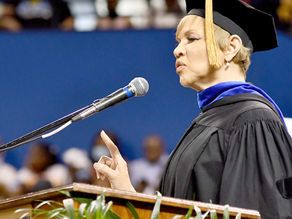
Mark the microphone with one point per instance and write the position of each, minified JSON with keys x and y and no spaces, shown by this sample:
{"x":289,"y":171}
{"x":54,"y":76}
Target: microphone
{"x":136,"y":88}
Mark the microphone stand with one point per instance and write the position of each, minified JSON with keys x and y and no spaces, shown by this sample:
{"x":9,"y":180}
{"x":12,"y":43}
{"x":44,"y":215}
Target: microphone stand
{"x":35,"y":135}
{"x":139,"y":85}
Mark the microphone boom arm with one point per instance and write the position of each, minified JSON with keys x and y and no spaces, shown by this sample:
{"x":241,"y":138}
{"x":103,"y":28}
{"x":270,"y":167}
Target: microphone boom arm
{"x":32,"y":136}
{"x":137,"y":87}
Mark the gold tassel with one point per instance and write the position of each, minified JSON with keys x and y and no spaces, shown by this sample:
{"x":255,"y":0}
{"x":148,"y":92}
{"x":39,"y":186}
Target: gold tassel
{"x":210,"y":37}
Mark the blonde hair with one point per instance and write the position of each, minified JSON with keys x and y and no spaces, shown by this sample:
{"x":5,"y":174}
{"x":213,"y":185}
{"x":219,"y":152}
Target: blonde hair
{"x":242,"y":58}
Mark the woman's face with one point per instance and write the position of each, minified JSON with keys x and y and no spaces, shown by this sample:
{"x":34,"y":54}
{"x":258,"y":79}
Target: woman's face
{"x":192,"y":63}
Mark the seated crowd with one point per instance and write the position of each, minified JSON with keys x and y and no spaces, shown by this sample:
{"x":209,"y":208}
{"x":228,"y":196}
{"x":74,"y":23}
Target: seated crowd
{"x":44,"y":167}
{"x":88,"y":15}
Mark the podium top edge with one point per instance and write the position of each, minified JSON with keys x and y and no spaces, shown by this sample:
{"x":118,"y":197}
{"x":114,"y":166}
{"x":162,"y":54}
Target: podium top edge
{"x":125,"y":195}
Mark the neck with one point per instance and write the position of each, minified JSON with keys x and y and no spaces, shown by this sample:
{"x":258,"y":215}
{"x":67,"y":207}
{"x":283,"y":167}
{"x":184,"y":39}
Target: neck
{"x":223,"y":74}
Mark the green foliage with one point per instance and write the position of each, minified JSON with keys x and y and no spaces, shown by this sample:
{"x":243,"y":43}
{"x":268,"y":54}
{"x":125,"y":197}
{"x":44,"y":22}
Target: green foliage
{"x":213,"y":214}
{"x":99,"y":209}
{"x":226,"y":212}
{"x":238,"y":216}
{"x":189,"y":214}
{"x":133,"y":210}
{"x":88,"y":209}
{"x":156,"y":209}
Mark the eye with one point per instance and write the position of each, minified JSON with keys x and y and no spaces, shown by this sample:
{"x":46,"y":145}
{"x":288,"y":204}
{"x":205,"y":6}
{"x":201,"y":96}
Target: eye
{"x":191,"y":39}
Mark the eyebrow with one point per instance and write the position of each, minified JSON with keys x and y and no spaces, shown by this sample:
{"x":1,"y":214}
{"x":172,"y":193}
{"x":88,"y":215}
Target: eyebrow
{"x":190,"y":32}
{"x":186,"y":34}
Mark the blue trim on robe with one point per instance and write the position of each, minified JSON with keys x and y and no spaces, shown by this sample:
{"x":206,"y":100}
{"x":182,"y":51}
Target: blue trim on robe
{"x":229,"y":88}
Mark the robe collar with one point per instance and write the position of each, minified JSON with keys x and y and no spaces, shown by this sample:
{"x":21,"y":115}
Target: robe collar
{"x":229,"y":88}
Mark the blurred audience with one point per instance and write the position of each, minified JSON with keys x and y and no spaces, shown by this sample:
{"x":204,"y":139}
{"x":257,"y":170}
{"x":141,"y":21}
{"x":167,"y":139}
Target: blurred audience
{"x":145,"y":172}
{"x":285,"y":15}
{"x":89,"y":15}
{"x":112,"y":20}
{"x":84,"y":13}
{"x":58,"y":175}
{"x":79,"y":164}
{"x":8,"y":178}
{"x":40,"y":156}
{"x":42,"y":169}
{"x":151,"y":13}
{"x":35,"y":14}
{"x":165,"y":13}
{"x":136,"y":11}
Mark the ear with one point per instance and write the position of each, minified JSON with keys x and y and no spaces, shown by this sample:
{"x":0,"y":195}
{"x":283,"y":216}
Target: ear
{"x":234,"y":45}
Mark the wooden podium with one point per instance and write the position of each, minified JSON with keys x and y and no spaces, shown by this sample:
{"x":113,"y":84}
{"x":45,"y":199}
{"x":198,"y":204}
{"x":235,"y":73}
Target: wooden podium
{"x":143,"y":203}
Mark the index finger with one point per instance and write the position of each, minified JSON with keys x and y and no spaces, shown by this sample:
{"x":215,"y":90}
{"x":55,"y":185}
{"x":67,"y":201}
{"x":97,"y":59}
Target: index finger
{"x":113,"y":149}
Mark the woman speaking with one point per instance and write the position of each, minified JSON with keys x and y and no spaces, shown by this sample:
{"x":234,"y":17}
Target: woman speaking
{"x":237,"y":151}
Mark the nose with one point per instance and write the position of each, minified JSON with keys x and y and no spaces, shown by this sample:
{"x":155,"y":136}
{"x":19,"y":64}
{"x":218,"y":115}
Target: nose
{"x":178,"y":51}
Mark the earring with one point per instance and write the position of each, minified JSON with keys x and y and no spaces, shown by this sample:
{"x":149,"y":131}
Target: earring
{"x":227,"y":63}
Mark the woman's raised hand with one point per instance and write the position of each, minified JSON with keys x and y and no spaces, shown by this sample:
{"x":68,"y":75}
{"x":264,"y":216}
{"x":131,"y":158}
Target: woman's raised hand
{"x":114,"y":169}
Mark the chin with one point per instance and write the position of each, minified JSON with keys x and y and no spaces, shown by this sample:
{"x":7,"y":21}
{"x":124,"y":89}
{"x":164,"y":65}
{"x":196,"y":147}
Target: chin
{"x":188,"y":84}
{"x":184,"y":82}
{"x":185,"y":85}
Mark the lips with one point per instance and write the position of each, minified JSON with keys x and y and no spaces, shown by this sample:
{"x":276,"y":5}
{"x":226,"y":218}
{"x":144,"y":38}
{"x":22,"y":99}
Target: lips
{"x":179,"y":65}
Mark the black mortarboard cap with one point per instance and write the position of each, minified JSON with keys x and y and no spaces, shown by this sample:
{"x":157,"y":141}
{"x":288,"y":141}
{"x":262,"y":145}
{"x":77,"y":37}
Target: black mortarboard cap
{"x":256,"y":28}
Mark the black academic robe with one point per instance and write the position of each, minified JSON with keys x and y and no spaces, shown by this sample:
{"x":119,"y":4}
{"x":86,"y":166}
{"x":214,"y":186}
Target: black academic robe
{"x":236,"y":152}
